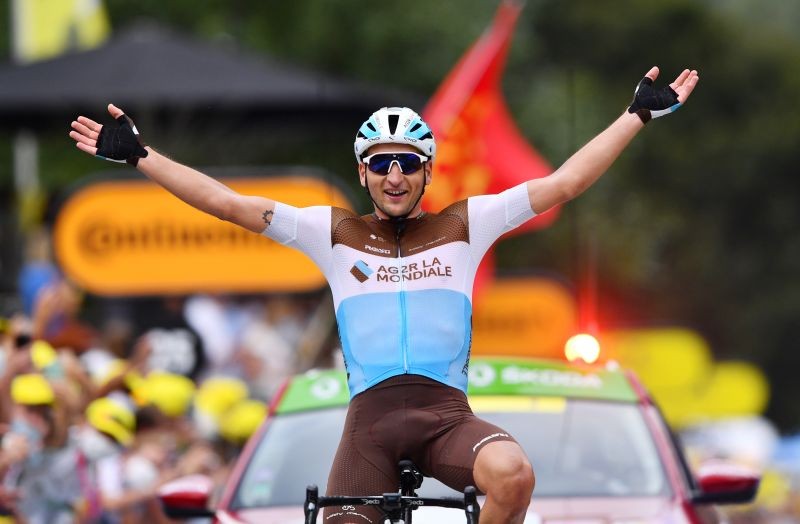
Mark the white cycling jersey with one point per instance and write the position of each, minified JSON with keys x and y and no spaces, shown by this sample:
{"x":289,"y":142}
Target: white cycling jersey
{"x":402,"y":294}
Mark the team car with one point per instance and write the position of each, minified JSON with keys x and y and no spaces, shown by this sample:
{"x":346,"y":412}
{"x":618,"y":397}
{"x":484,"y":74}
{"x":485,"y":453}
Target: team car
{"x":600,"y":448}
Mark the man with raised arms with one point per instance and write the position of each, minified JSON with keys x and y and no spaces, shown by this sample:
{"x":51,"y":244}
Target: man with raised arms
{"x":401,"y":281}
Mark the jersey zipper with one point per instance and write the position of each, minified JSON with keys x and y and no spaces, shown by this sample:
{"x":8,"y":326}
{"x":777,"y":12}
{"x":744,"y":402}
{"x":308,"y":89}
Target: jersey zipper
{"x":402,"y":294}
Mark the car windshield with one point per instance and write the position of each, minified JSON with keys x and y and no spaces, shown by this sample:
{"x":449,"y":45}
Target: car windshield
{"x":577,"y":447}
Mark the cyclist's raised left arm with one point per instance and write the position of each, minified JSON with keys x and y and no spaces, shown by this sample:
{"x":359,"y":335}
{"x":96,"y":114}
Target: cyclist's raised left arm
{"x":584,"y":167}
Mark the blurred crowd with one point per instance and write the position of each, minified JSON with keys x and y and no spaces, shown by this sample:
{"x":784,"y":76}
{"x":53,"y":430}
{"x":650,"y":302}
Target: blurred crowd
{"x":95,"y":418}
{"x":99,"y":410}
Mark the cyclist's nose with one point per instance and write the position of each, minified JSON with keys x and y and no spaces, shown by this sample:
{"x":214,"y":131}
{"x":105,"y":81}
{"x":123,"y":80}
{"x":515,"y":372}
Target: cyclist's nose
{"x":395,"y":175}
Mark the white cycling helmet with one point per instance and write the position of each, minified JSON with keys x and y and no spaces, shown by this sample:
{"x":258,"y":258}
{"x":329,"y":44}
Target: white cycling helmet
{"x":395,"y":125}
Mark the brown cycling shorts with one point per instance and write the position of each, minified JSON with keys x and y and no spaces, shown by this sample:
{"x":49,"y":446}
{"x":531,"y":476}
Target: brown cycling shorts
{"x":405,"y":417}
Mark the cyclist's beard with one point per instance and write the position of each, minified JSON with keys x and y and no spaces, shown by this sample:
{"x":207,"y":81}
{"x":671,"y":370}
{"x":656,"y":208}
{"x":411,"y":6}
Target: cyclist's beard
{"x":391,"y":216}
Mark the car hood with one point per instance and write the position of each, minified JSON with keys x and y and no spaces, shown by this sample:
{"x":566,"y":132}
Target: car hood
{"x":561,"y":510}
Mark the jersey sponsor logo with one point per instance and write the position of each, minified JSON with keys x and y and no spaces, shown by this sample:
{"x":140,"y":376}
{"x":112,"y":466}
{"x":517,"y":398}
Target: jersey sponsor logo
{"x":486,"y":439}
{"x":361,"y":271}
{"x":465,"y":369}
{"x":414,"y":271}
{"x":428,"y":244}
{"x":377,"y":249}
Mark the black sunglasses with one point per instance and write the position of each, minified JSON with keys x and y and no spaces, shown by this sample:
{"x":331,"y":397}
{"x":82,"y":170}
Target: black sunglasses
{"x":408,"y":162}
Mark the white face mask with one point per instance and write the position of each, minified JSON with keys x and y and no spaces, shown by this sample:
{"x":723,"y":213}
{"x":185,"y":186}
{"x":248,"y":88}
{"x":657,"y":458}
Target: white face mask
{"x":140,"y":473}
{"x":21,"y":426}
{"x":94,"y":445}
{"x":205,"y":423}
{"x":33,"y":436}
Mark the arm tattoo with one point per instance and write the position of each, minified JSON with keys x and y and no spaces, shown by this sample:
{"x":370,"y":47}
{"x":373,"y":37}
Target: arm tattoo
{"x":267,"y":216}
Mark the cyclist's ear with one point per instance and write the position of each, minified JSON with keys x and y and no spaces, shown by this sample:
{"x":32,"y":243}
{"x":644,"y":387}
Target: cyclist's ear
{"x":428,"y":168}
{"x":362,"y":174}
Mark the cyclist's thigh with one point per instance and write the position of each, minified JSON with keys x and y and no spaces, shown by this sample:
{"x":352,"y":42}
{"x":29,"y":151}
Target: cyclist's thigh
{"x":359,"y":468}
{"x":452,"y":455}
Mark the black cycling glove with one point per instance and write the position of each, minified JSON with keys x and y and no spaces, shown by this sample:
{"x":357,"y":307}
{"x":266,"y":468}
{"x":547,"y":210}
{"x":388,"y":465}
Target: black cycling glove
{"x":651,"y":103}
{"x":121,"y":143}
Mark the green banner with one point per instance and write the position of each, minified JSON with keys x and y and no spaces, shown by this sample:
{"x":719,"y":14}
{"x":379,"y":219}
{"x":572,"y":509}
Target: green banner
{"x":488,"y":376}
{"x":547,"y":378}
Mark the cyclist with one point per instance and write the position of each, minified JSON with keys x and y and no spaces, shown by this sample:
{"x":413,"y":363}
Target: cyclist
{"x":401,"y":281}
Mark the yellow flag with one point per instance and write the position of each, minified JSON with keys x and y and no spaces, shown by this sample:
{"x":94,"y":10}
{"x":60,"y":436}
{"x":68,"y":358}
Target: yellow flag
{"x":47,"y":28}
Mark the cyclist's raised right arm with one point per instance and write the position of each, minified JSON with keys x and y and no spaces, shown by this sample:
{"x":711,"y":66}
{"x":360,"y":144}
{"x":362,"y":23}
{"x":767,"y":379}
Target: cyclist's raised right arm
{"x":193,"y":187}
{"x":207,"y":194}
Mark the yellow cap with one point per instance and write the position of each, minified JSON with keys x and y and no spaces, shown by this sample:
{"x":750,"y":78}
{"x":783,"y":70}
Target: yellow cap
{"x":42,"y":354}
{"x":242,"y":420}
{"x":171,"y":393}
{"x":32,"y":389}
{"x":113,"y":418}
{"x":217,"y":394}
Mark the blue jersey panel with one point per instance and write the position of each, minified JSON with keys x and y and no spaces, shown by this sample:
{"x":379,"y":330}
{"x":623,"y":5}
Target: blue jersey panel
{"x":423,"y":332}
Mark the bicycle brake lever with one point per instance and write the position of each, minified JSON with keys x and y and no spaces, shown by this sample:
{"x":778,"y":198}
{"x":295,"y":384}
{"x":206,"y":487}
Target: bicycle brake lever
{"x":471,"y":506}
{"x":311,"y":507}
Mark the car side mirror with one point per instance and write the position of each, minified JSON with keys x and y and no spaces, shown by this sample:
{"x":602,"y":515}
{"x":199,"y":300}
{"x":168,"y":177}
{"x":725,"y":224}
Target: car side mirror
{"x":725,"y":483}
{"x":187,"y":497}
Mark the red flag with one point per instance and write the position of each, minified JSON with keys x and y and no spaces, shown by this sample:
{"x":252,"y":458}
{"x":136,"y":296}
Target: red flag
{"x":479,"y":149}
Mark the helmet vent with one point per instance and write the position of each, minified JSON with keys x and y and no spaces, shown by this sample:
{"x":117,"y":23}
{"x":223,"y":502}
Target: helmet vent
{"x":416,"y":126}
{"x":426,"y":136}
{"x":393,"y":120}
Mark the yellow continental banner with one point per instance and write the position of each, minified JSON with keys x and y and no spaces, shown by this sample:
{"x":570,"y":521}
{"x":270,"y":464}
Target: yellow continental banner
{"x":131,"y":237}
{"x":526,"y":316}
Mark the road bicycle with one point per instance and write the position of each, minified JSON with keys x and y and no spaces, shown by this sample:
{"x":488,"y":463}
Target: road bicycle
{"x":397,"y":507}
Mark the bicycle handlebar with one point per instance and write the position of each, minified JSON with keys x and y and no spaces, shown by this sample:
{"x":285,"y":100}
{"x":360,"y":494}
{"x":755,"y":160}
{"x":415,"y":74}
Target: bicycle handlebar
{"x":391,"y":503}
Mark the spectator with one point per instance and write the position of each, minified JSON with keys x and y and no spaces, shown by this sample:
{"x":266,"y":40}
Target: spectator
{"x":101,"y":438}
{"x":43,"y":473}
{"x":220,"y":322}
{"x":176,"y":347}
{"x":267,"y":357}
